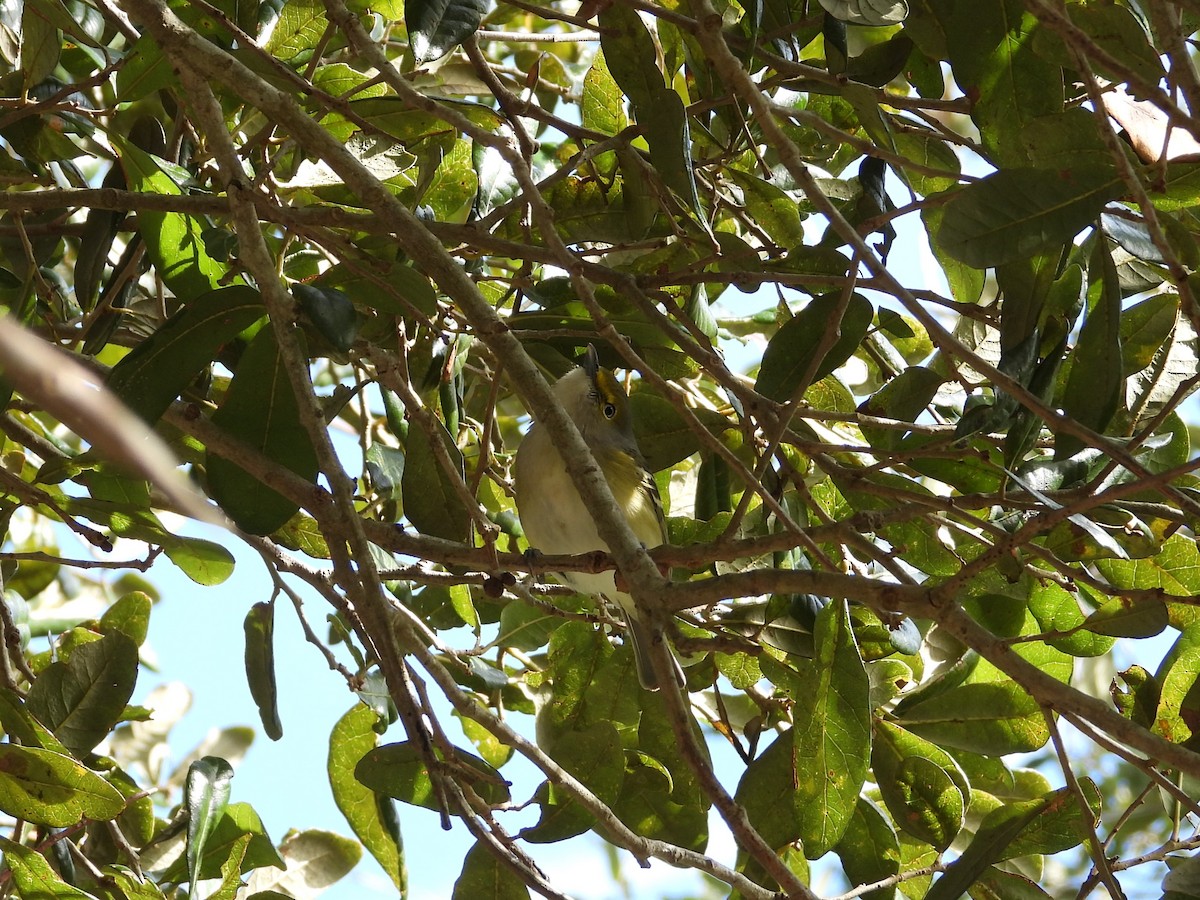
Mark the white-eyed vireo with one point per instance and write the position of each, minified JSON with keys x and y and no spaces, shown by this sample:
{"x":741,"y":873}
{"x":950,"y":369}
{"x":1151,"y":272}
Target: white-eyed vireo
{"x":553,"y":515}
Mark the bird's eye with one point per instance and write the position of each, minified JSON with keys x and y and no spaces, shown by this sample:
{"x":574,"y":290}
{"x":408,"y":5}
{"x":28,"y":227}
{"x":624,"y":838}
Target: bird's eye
{"x":609,"y":410}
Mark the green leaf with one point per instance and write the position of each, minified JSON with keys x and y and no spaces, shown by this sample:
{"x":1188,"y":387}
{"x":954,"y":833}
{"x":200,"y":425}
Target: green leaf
{"x":791,"y":352}
{"x":602,"y":106}
{"x":298,"y":29}
{"x":369,"y":815}
{"x":331,"y":312}
{"x":1175,"y":571}
{"x":315,"y":860}
{"x":435,"y":27}
{"x":770,"y":208}
{"x":869,"y":850}
{"x":161,"y":367}
{"x":33,"y":876}
{"x":398,"y":770}
{"x":47,"y":788}
{"x":670,"y":141}
{"x":1178,"y":715}
{"x":661,"y":798}
{"x":225,"y":841}
{"x":259,"y":628}
{"x":485,"y":877}
{"x":130,"y":615}
{"x":921,"y":784}
{"x":1145,"y":327}
{"x":832,"y":750}
{"x":630,"y":53}
{"x":205,"y":798}
{"x":174,"y":241}
{"x":1014,"y":213}
{"x":82,"y":698}
{"x":769,"y":777}
{"x":592,"y":754}
{"x":1130,"y":618}
{"x":260,"y":409}
{"x":430,"y":500}
{"x":867,"y":12}
{"x":1093,"y":392}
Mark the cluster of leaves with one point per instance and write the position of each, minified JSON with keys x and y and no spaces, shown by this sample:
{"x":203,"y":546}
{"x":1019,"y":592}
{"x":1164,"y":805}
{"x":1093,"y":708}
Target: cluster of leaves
{"x":902,"y":546}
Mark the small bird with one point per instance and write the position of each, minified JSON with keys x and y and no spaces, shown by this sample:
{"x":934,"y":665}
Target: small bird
{"x":554,"y":516}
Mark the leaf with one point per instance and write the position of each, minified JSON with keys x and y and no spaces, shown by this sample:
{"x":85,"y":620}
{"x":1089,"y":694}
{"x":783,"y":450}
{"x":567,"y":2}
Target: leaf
{"x":315,"y":860}
{"x":768,"y":777}
{"x":1129,"y":618}
{"x":670,"y":141}
{"x":832,"y":750}
{"x":398,"y":770}
{"x":1178,"y":676}
{"x":130,"y":615}
{"x":1014,"y":213}
{"x":869,"y":849}
{"x":435,"y":27}
{"x":298,"y":29}
{"x":174,"y":241}
{"x":82,"y":698}
{"x":430,"y":501}
{"x":922,"y":786}
{"x":770,"y":208}
{"x":47,"y":788}
{"x":225,"y":841}
{"x":331,"y":312}
{"x":205,"y":797}
{"x":867,"y":12}
{"x":33,"y":876}
{"x":592,"y":754}
{"x":369,"y":815}
{"x":790,"y":354}
{"x":485,"y":877}
{"x":259,"y":628}
{"x":602,"y":106}
{"x":630,"y":54}
{"x":1145,"y":327}
{"x":260,"y":409}
{"x":161,"y":367}
{"x":1093,"y":391}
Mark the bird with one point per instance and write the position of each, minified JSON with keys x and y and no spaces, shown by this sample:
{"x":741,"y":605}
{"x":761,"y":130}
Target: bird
{"x":554,"y":517}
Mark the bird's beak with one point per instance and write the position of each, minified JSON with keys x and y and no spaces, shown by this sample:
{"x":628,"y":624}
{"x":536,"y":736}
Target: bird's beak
{"x":591,"y":362}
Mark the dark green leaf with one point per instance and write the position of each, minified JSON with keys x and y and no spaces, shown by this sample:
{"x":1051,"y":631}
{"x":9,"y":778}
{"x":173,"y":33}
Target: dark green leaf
{"x":593,"y":755}
{"x":430,"y":500}
{"x":485,"y":877}
{"x":260,"y":409}
{"x":82,"y":698}
{"x":921,"y":784}
{"x":435,"y":27}
{"x":1016,"y":212}
{"x":161,"y":367}
{"x":790,"y":355}
{"x":259,"y":627}
{"x":332,"y":312}
{"x":869,"y":850}
{"x":397,"y":770}
{"x":630,"y":54}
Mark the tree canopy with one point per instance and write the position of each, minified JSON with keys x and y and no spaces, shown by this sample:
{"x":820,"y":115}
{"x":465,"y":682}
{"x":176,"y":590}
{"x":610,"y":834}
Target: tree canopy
{"x":302,"y":269}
